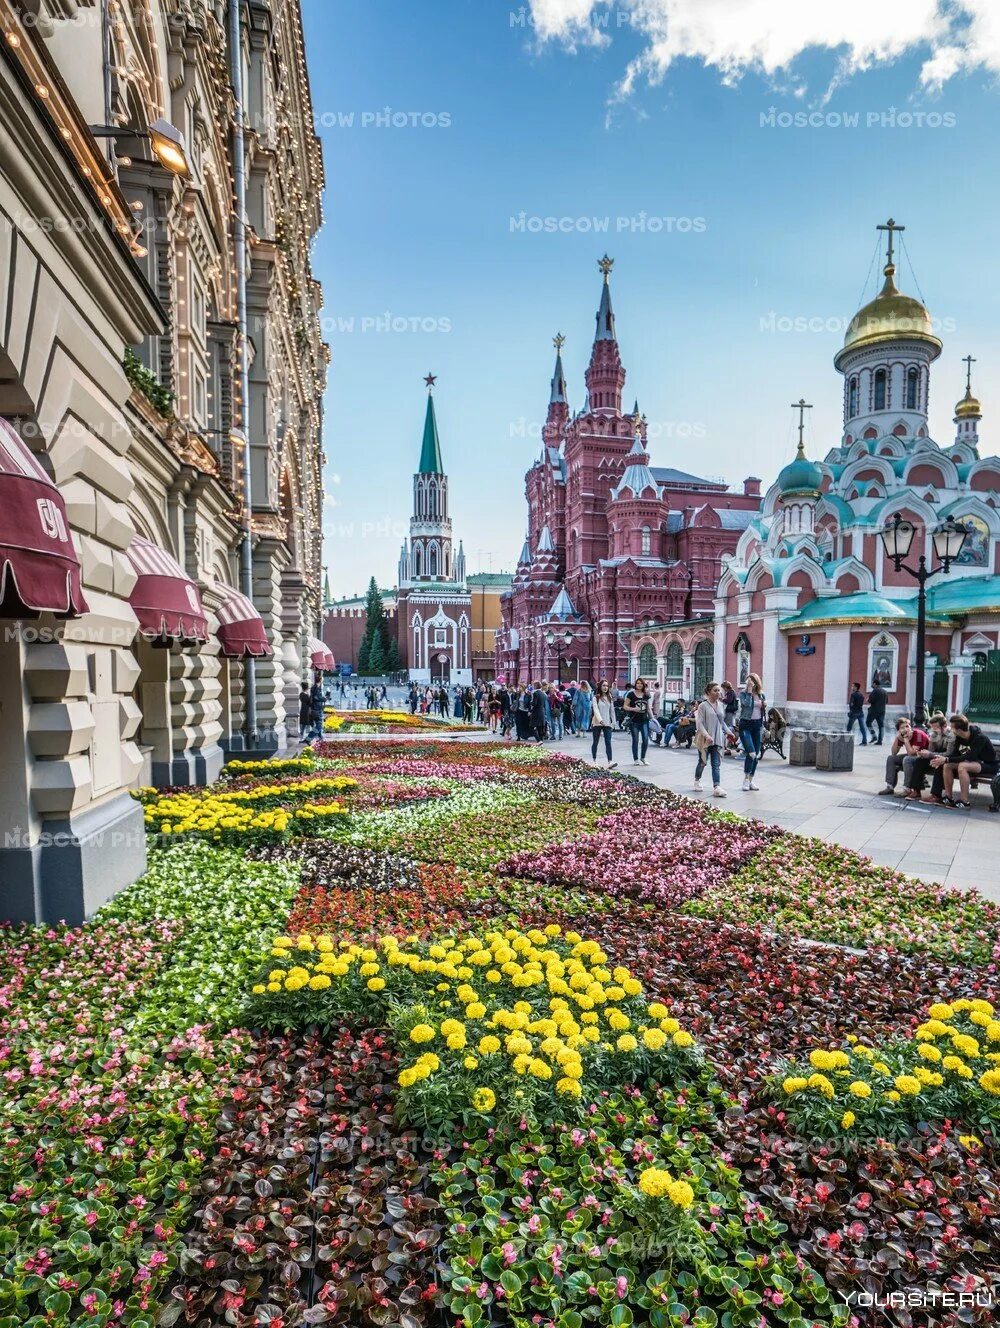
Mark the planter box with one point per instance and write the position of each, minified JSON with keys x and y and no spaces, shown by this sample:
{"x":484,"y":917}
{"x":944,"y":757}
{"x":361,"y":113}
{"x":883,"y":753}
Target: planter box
{"x":802,"y":747}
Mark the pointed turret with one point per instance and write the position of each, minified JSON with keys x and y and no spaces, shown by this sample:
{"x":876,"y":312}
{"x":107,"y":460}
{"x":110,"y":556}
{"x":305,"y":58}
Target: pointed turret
{"x":638,"y":480}
{"x":968,"y":412}
{"x":430,"y":451}
{"x":605,"y":376}
{"x":327,"y":597}
{"x":563,"y":606}
{"x":558,"y":411}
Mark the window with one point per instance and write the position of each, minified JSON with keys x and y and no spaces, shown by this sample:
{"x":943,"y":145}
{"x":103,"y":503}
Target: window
{"x":852,"y":399}
{"x":879,"y":397}
{"x":675,"y":660}
{"x":432,"y":561}
{"x":647,"y":542}
{"x":647,"y":661}
{"x":198,"y":396}
{"x":418,"y":560}
{"x":911,"y":389}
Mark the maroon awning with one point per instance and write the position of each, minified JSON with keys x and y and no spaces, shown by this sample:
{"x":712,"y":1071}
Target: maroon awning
{"x":165,"y":599}
{"x":241,"y":628}
{"x":320,"y":655}
{"x":39,"y":569}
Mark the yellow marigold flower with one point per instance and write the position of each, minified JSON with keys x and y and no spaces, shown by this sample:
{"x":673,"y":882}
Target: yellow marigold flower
{"x":794,"y":1084}
{"x":258,"y":988}
{"x":430,"y":1061}
{"x":406,"y":1078}
{"x":456,"y":1041}
{"x":980,"y":1019}
{"x":324,"y":944}
{"x":421,"y":1033}
{"x":553,"y":929}
{"x":680,"y":1193}
{"x":653,"y":1039}
{"x":276,"y":975}
{"x":470,"y":1063}
{"x":966,"y":1045}
{"x":626,"y":1042}
{"x":907,"y":1083}
{"x":475,"y":1010}
{"x":319,"y":983}
{"x":893,"y":1096}
{"x":989,"y":1082}
{"x":281,"y":942}
{"x":941,"y":1011}
{"x":591,"y":1034}
{"x":657,"y":1010}
{"x":929,"y":1052}
{"x":821,"y":1084}
{"x":982,"y":1007}
{"x":488,"y":1045}
{"x":274,"y":986}
{"x":970,"y":1141}
{"x":632,"y":986}
{"x":881,"y":1067}
{"x":304,"y":942}
{"x":848,"y":1119}
{"x":375,"y":984}
{"x":820,"y":1060}
{"x":618,"y":1021}
{"x":521,"y":1063}
{"x":494,"y":975}
{"x":368,"y":970}
{"x":589,"y":1017}
{"x":484,"y":1099}
{"x":682,"y":1038}
{"x":859,"y":1088}
{"x":452,"y":1026}
{"x":568,"y":1087}
{"x":669,"y":1026}
{"x":655,"y":1182}
{"x":573,"y":1070}
{"x":540,"y":1070}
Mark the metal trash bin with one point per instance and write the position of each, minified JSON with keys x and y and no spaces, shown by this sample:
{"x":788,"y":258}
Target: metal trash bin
{"x":835,"y":751}
{"x":802,"y":747}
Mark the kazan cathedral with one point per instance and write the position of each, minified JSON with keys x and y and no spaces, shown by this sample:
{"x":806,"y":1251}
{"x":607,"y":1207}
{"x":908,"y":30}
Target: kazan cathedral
{"x":810,"y":600}
{"x":615,"y":545}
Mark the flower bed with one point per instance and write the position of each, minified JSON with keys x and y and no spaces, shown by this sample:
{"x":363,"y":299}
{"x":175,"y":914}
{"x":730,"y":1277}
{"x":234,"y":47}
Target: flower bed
{"x":635,"y":1147}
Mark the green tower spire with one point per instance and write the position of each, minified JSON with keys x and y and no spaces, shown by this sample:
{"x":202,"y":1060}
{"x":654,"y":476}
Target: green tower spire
{"x":430,"y":452}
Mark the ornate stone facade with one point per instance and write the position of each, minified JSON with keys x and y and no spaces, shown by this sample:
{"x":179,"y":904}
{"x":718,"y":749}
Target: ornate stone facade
{"x":810,"y":600}
{"x":614,"y":544}
{"x":120,"y":350}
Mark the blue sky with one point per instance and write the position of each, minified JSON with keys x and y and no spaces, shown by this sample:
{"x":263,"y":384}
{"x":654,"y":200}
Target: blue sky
{"x":748,"y":227}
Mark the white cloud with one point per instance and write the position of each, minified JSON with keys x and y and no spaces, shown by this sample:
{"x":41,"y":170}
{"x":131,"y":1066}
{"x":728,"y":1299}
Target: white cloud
{"x":734,"y":37}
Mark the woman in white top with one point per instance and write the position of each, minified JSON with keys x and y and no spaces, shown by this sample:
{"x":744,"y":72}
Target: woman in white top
{"x":602,"y":720}
{"x":711,"y":731}
{"x":753,"y":711}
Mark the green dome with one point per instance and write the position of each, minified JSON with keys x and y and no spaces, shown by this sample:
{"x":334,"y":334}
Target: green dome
{"x":800,"y":476}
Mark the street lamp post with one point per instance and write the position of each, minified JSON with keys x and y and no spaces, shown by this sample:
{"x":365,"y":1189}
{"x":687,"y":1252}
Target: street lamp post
{"x":551,"y":638}
{"x":948,"y":539}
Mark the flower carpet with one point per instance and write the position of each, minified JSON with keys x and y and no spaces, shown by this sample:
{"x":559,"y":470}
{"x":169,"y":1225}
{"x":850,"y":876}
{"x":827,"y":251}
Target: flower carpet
{"x":390,"y":721}
{"x":450,"y":1033}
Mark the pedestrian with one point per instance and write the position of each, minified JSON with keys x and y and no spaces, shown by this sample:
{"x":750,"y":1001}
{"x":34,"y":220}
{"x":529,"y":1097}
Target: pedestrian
{"x":305,"y":707}
{"x":317,"y":709}
{"x":972,"y":754}
{"x":522,"y":713}
{"x":618,"y":701}
{"x":445,"y":702}
{"x":877,"y":699}
{"x":856,"y":712}
{"x":710,"y":738}
{"x":554,"y":697}
{"x":655,"y":715}
{"x":752,"y":709}
{"x":583,"y":704}
{"x":602,"y":719}
{"x":916,"y":766}
{"x":636,"y":709}
{"x":909,"y":741}
{"x":567,"y":711}
{"x":539,"y":713}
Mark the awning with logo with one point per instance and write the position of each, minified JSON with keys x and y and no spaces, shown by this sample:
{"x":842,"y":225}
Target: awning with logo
{"x":241,"y":628}
{"x":165,"y":599}
{"x":320,"y":655}
{"x":39,"y":569}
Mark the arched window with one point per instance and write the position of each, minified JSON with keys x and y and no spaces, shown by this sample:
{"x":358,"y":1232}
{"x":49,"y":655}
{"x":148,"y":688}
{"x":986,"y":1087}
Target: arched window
{"x":675,"y":660}
{"x":418,"y":560}
{"x":432,"y":561}
{"x":704,"y":657}
{"x":647,"y":662}
{"x":852,"y":399}
{"x":879,"y":398}
{"x":911,"y":389}
{"x":647,"y":542}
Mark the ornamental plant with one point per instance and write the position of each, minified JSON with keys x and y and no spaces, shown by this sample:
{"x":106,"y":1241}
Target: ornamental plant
{"x":509,"y":1022}
{"x":266,"y":811}
{"x":949,"y":1069}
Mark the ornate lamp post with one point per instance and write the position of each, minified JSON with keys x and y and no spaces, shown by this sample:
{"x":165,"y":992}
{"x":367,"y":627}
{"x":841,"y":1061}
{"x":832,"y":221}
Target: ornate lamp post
{"x":948,"y":539}
{"x":563,"y":638}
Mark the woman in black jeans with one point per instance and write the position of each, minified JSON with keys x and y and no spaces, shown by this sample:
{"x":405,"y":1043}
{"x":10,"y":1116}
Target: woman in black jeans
{"x":637,"y":714}
{"x":602,"y":720}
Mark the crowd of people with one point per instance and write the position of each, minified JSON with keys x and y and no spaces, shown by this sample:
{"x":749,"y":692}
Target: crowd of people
{"x":947,"y":750}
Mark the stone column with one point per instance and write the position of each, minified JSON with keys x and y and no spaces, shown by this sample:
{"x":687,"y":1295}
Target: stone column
{"x":270,"y":557}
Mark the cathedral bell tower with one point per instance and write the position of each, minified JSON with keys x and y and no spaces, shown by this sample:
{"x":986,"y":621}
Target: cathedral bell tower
{"x":429,"y":556}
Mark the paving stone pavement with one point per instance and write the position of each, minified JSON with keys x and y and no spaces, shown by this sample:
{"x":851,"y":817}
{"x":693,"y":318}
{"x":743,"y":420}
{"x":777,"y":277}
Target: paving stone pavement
{"x":934,"y":843}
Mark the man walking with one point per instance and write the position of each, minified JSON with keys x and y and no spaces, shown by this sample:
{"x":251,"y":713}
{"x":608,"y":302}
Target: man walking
{"x":856,"y":712}
{"x":877,"y":699}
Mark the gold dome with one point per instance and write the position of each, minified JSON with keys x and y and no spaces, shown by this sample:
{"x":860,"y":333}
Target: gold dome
{"x":891,"y":316}
{"x":968,"y":408}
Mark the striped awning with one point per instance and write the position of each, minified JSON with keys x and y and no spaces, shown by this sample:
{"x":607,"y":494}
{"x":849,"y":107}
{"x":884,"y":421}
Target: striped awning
{"x":320,"y":655}
{"x":241,"y":628}
{"x":165,"y":599}
{"x":39,"y":569}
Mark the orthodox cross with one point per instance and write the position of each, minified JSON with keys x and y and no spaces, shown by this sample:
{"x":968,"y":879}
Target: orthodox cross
{"x":891,"y":227}
{"x":968,"y":362}
{"x":606,"y":264}
{"x":801,"y":406}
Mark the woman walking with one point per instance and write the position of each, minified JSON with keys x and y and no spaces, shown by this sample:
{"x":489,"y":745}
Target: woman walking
{"x":583,"y":704}
{"x":753,"y":708}
{"x":637,"y":715}
{"x":710,"y":738}
{"x":602,"y":721}
{"x":522,"y":713}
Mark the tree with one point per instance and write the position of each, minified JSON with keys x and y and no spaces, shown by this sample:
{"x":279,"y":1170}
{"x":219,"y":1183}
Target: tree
{"x":392,"y":657}
{"x":377,"y":653}
{"x":376,"y":658}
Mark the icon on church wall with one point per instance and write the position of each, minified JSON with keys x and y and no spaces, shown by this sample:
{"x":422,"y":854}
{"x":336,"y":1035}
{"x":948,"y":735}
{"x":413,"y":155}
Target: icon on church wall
{"x":883,"y":662}
{"x":976,"y":549}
